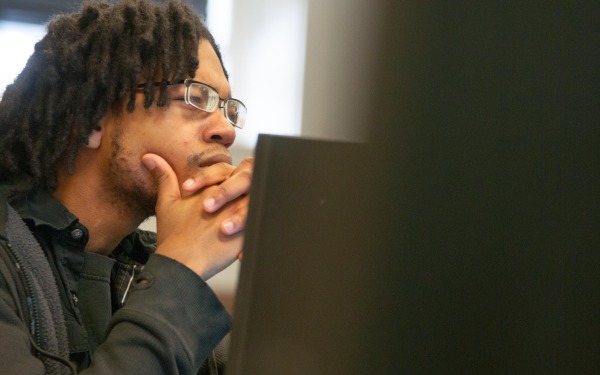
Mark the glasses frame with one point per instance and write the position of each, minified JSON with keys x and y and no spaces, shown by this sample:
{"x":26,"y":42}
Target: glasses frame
{"x":222,"y":103}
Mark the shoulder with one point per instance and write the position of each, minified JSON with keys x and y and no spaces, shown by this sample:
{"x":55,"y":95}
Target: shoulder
{"x":9,"y":189}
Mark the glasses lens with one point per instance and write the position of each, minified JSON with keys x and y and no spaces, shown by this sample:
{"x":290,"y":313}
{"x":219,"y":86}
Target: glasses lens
{"x":202,"y":97}
{"x":235,"y":111}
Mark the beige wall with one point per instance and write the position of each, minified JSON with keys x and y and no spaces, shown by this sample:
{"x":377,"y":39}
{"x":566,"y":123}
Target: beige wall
{"x":340,"y":54}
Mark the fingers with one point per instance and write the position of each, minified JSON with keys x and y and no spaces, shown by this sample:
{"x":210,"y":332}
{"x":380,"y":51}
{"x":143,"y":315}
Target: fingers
{"x":236,"y":221}
{"x":235,"y":186}
{"x":168,"y":186}
{"x":247,"y":163}
{"x":207,"y":176}
{"x":204,"y":242}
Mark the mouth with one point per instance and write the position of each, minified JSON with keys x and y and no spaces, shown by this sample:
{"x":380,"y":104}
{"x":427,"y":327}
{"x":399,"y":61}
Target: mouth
{"x":214,"y":159}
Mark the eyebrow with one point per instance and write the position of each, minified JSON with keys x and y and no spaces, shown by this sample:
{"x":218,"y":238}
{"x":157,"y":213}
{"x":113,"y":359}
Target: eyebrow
{"x":217,"y":90}
{"x":181,"y":82}
{"x":214,"y":88}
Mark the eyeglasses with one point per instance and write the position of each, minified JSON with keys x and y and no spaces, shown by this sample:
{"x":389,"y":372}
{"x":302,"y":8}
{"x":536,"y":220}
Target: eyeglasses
{"x":206,"y":98}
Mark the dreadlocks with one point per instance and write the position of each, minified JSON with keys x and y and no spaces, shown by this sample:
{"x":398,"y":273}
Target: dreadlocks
{"x":89,"y":62}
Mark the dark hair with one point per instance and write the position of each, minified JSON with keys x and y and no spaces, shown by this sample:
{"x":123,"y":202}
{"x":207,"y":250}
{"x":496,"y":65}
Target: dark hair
{"x":89,"y":62}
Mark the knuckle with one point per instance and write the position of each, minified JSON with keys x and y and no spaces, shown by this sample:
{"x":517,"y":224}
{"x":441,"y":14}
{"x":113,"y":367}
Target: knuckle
{"x":223,"y":191}
{"x":245,"y":173}
{"x":248,"y":160}
{"x":224,"y":165}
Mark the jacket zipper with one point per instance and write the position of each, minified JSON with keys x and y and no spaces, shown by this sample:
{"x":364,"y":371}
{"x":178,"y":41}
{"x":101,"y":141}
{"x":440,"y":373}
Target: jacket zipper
{"x":29,"y":298}
{"x":133,"y":276}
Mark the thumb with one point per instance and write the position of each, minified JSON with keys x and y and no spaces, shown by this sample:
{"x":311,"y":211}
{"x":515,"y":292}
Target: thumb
{"x":163,"y":174}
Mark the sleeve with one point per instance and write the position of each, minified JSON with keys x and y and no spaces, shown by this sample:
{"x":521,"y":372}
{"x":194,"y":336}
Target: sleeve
{"x":170,"y":323}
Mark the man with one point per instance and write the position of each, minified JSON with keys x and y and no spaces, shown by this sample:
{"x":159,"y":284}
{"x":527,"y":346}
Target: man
{"x":122,"y":112}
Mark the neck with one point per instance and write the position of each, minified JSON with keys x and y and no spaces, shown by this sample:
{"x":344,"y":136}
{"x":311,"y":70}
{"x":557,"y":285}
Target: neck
{"x":107,"y":220}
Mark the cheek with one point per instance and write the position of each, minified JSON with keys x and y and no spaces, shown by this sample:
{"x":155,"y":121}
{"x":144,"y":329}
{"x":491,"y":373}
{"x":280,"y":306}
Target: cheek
{"x":177,"y":154}
{"x":167,"y":143}
{"x":179,"y":150}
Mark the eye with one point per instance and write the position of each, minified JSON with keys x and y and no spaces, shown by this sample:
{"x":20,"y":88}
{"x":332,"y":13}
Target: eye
{"x":199,"y":97}
{"x":198,"y":100}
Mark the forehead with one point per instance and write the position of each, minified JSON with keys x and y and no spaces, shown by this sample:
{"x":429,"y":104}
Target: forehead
{"x":210,"y":70}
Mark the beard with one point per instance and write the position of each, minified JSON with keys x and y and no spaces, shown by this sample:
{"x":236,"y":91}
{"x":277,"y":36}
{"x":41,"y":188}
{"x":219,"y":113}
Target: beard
{"x":128,"y":188}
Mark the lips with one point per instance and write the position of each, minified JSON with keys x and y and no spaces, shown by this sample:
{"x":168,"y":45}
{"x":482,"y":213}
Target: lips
{"x":214,"y":159}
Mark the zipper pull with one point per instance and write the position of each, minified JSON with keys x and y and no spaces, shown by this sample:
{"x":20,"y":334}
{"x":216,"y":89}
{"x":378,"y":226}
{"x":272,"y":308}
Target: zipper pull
{"x":135,"y":266}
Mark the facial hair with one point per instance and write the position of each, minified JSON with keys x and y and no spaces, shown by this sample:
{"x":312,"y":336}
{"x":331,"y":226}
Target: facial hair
{"x":127,"y":188}
{"x":132,"y":189}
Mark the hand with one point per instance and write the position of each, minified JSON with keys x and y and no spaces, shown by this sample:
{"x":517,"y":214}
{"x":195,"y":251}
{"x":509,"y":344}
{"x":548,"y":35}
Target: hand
{"x":206,"y":242}
{"x":233,"y":183}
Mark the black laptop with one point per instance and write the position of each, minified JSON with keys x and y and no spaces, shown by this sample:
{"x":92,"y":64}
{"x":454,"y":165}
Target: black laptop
{"x":302,"y":297}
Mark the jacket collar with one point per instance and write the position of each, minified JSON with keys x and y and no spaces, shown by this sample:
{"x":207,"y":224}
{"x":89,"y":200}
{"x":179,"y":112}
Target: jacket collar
{"x":42,"y":209}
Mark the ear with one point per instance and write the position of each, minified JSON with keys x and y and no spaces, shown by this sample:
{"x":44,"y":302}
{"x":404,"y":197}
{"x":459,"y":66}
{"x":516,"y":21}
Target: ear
{"x":95,"y":137}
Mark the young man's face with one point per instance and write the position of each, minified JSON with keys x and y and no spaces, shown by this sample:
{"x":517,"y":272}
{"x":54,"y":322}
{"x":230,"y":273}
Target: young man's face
{"x":186,"y":137}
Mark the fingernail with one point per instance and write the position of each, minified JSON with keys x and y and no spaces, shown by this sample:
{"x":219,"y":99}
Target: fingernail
{"x":188,"y":183}
{"x":209,"y":204}
{"x":149,"y":163}
{"x":229,"y":226}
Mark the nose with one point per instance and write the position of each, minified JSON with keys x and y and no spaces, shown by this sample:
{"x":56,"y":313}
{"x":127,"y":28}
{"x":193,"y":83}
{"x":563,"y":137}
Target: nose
{"x":218,"y":130}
